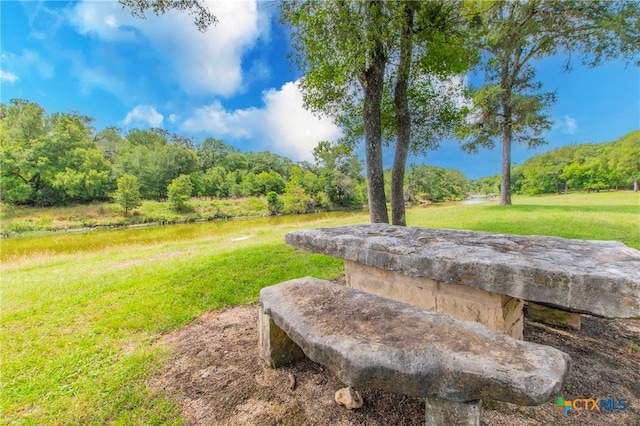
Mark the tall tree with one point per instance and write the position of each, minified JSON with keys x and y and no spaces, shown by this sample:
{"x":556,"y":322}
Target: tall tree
{"x":49,"y":159}
{"x":423,"y":44}
{"x":342,"y":64}
{"x":433,"y":47}
{"x":512,"y":34}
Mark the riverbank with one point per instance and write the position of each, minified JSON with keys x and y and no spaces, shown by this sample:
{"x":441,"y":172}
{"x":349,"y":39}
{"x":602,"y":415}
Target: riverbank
{"x":35,"y":221}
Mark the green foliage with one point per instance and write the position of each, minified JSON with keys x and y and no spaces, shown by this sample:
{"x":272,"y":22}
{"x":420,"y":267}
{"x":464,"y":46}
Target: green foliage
{"x":589,"y":167}
{"x":202,"y":16}
{"x":274,"y":204}
{"x":179,"y":192}
{"x":436,"y":184}
{"x":128,"y":193}
{"x":296,"y":200}
{"x":486,"y":185}
{"x":340,"y":174}
{"x":49,"y":159}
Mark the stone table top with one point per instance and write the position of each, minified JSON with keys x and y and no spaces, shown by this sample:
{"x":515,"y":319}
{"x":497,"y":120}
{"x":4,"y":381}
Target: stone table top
{"x":595,"y":277}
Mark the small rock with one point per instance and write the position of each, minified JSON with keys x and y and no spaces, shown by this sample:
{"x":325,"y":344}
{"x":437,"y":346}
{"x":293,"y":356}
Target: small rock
{"x":349,"y":397}
{"x":292,"y":381}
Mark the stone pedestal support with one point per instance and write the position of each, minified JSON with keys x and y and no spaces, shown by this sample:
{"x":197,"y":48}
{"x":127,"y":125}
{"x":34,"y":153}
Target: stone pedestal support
{"x":553,"y":316}
{"x":275,"y":346}
{"x":499,"y":312}
{"x":441,"y":412}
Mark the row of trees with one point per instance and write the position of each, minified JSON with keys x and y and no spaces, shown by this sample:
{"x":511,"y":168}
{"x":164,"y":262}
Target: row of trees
{"x":589,"y":167}
{"x":54,"y":159}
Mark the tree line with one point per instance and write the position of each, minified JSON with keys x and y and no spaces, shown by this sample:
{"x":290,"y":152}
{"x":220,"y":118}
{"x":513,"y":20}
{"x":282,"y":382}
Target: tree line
{"x":586,"y":167}
{"x":57,"y":159}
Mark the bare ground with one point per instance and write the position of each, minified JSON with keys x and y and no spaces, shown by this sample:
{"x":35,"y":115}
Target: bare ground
{"x":218,"y":378}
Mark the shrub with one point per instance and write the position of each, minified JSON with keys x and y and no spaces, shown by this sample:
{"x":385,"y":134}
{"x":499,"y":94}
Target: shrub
{"x":128,"y":193}
{"x":274,"y":204}
{"x":179,"y":192}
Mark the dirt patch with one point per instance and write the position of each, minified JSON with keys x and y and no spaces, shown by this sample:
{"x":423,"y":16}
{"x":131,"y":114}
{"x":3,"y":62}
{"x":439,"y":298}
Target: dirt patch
{"x":218,"y":378}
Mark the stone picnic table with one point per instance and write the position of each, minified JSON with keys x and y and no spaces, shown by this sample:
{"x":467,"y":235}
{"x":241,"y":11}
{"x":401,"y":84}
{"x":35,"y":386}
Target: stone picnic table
{"x":481,"y":276}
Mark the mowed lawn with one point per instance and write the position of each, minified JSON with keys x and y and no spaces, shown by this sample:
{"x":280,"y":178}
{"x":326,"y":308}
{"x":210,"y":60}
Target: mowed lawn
{"x":80,"y":314}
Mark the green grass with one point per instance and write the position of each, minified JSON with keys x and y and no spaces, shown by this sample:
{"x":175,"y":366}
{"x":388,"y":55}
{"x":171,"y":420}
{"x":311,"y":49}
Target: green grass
{"x":80,"y":313}
{"x":594,"y":216}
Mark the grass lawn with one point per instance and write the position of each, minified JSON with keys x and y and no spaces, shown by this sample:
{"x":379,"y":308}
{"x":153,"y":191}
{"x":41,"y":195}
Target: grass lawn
{"x":80,"y":313}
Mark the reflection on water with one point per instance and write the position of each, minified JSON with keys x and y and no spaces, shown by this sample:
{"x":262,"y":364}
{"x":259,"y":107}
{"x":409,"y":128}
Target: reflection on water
{"x":476,"y":200}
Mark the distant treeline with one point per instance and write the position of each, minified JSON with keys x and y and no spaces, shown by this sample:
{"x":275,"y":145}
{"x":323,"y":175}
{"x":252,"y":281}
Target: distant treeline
{"x":56,"y":159}
{"x":587,"y":167}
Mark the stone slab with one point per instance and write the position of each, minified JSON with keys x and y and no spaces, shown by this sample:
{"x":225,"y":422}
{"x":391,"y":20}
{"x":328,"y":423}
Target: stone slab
{"x":371,"y":342}
{"x":595,"y":277}
{"x":275,"y":346}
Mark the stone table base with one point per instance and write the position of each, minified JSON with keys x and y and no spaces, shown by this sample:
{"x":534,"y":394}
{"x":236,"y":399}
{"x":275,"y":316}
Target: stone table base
{"x":499,"y":312}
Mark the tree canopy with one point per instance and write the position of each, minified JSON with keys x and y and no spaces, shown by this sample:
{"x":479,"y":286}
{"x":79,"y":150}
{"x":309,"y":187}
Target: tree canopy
{"x":512,"y":34}
{"x":378,"y":73}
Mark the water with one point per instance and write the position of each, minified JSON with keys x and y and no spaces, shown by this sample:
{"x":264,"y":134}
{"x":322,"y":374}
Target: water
{"x":477,"y":200}
{"x":71,"y":242}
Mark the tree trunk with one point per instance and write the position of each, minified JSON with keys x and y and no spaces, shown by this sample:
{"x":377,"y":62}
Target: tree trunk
{"x":372,"y":86}
{"x":505,"y":185}
{"x":635,"y":185}
{"x":403,"y":122}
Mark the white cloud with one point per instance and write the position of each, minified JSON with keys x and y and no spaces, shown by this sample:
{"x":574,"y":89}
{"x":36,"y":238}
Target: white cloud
{"x":214,"y":118}
{"x":570,"y":126}
{"x":282,"y":125}
{"x":27,"y":61}
{"x":8,"y":77}
{"x":173,"y":118}
{"x":203,"y":63}
{"x":143,"y":115}
{"x":99,"y":77}
{"x":290,"y":128}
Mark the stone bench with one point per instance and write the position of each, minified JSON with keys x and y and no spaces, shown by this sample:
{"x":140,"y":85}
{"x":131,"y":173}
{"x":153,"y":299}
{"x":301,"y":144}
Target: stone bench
{"x":372,"y":342}
{"x":481,"y":276}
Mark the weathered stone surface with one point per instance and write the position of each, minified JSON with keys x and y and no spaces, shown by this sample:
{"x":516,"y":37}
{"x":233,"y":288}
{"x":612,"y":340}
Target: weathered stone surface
{"x":595,"y":277}
{"x":441,"y":412}
{"x":274,"y":345}
{"x":371,"y":342}
{"x":349,"y":397}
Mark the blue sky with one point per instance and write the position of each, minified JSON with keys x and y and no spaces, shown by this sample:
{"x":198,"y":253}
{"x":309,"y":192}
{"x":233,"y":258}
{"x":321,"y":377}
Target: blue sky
{"x":235,"y":82}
